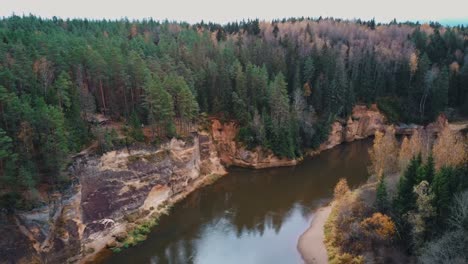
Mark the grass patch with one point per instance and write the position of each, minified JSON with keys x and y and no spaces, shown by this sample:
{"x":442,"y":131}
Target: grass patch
{"x":116,"y":250}
{"x":140,"y":232}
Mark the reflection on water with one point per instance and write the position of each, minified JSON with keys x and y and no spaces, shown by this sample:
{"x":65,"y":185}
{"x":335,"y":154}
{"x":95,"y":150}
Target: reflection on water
{"x":250,"y":216}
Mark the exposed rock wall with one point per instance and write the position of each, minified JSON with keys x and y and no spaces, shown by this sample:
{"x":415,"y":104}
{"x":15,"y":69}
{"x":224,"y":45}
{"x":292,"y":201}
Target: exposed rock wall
{"x":106,"y":191}
{"x":111,"y":192}
{"x":233,"y":153}
{"x":363,"y":122}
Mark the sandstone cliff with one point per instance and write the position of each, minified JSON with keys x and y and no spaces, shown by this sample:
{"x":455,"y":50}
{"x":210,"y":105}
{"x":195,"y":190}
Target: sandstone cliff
{"x":363,"y":123}
{"x":106,"y":191}
{"x":233,"y":153}
{"x":112,"y":193}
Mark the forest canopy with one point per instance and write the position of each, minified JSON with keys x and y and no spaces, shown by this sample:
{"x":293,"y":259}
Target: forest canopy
{"x":283,"y":81}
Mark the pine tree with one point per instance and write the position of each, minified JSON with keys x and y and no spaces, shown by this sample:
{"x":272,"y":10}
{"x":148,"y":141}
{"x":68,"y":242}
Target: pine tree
{"x":382,"y":201}
{"x":440,"y":92}
{"x":6,"y":152}
{"x":54,"y":140}
{"x":309,"y":70}
{"x":282,"y":142}
{"x":185,"y":105}
{"x":135,"y":127}
{"x":405,"y":199}
{"x":443,"y":187}
{"x":61,"y":90}
{"x":159,"y":105}
{"x":426,"y":172}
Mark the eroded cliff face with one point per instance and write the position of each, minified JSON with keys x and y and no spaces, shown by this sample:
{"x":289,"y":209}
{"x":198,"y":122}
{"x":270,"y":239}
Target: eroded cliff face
{"x":233,"y":153}
{"x":107,"y":190}
{"x":113,"y":193}
{"x":363,"y":123}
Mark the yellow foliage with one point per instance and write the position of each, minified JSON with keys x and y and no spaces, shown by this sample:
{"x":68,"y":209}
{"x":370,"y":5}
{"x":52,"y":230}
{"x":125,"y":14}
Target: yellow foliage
{"x":413,"y":63}
{"x":384,"y":153}
{"x":344,"y":213}
{"x":405,"y":154}
{"x":347,"y":258}
{"x":412,"y":147}
{"x":450,"y":149}
{"x":341,"y":189}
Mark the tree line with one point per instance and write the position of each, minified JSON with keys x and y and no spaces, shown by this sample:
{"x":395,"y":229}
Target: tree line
{"x":283,"y":81}
{"x":415,"y":205}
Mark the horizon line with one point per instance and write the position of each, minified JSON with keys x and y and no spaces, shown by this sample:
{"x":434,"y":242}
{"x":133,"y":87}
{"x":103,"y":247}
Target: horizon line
{"x":443,"y":21}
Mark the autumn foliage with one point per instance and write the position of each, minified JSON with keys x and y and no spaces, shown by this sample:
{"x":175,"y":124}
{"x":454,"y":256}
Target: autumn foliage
{"x":450,"y":149}
{"x":378,"y":226}
{"x":341,"y":189}
{"x":384,"y":153}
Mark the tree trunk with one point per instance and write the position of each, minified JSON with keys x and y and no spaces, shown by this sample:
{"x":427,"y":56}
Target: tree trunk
{"x":102,"y":97}
{"x":125,"y":101}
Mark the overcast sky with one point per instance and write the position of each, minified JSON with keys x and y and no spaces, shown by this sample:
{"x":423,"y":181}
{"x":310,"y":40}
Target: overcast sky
{"x":224,"y":11}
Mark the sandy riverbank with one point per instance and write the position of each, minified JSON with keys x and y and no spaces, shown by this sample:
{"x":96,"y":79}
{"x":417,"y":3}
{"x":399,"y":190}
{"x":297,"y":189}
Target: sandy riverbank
{"x":311,"y":242}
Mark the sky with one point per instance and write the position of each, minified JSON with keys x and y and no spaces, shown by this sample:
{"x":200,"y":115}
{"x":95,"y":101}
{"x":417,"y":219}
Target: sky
{"x":222,"y":11}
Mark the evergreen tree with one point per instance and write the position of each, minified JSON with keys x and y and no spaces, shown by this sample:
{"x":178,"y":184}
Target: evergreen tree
{"x":61,"y":91}
{"x":405,"y":199}
{"x":158,"y":103}
{"x":282,"y":141}
{"x":443,"y":187}
{"x":440,"y":92}
{"x":382,"y":200}
{"x":427,"y":171}
{"x":7,"y":156}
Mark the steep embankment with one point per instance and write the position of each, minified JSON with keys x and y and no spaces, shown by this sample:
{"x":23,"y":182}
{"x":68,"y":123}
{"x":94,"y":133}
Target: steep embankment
{"x":362,"y":124}
{"x":233,"y":153}
{"x":111,"y":196}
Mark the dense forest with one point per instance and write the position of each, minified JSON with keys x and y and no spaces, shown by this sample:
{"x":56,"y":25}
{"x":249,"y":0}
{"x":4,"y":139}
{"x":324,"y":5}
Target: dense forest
{"x":414,"y":209}
{"x":282,"y":81}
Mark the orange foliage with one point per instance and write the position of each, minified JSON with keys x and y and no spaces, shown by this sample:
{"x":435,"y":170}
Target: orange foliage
{"x":454,"y":67}
{"x":379,"y":225}
{"x":307,"y":90}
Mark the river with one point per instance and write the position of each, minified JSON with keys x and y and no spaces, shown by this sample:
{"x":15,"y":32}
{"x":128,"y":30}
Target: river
{"x":250,"y":216}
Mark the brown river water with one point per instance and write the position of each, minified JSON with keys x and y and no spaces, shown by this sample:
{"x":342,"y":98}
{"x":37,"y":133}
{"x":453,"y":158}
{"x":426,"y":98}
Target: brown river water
{"x":250,"y":216}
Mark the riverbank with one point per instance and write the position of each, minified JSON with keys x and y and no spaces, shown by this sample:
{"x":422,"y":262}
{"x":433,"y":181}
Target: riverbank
{"x":105,"y":250}
{"x":311,"y":244}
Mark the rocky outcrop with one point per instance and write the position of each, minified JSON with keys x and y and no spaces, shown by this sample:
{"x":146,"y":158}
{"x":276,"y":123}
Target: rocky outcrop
{"x":107,"y":190}
{"x":112,"y":193}
{"x":233,"y":153}
{"x":363,"y":122}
